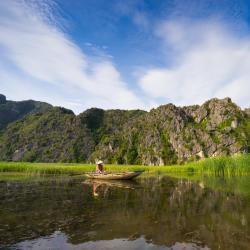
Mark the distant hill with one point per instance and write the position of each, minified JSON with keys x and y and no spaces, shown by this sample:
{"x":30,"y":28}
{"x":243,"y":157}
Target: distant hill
{"x":11,"y":111}
{"x":165,"y":135}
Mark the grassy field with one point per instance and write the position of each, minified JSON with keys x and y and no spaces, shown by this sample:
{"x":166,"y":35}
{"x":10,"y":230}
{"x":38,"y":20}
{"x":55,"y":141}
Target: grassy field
{"x":219,"y":166}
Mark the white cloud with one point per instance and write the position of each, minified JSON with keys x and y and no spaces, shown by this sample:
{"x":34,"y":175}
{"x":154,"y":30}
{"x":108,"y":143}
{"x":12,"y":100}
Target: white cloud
{"x":39,"y":61}
{"x":207,"y":60}
{"x":34,"y":50}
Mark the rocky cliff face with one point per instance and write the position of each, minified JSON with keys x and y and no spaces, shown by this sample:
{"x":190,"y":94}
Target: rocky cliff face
{"x":51,"y":136}
{"x":165,"y":135}
{"x":171,"y":134}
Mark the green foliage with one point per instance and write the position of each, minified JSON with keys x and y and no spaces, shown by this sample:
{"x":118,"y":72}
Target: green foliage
{"x":242,"y":133}
{"x":121,"y":136}
{"x":202,"y":125}
{"x":237,"y":165}
{"x":224,"y":124}
{"x":52,"y":136}
{"x":167,"y":154}
{"x":30,"y":156}
{"x":132,"y":153}
{"x":12,"y":111}
{"x":215,"y":138}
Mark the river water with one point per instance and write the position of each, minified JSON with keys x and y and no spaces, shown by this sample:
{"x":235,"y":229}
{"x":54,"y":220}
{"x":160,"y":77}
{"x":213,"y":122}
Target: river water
{"x":156,"y":212}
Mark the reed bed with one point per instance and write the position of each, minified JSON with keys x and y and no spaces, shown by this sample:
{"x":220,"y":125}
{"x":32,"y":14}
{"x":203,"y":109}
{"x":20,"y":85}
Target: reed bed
{"x":218,"y":166}
{"x":226,"y":166}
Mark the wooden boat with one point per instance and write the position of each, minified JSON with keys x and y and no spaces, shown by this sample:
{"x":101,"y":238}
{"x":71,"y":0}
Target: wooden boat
{"x":114,"y":176}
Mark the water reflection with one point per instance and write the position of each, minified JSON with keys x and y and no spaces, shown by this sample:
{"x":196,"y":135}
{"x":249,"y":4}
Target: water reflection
{"x":58,"y":241}
{"x":95,"y":186}
{"x":102,"y":186}
{"x":152,"y":213}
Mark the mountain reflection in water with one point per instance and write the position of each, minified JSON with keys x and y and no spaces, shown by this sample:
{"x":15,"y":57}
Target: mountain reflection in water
{"x":151,"y":213}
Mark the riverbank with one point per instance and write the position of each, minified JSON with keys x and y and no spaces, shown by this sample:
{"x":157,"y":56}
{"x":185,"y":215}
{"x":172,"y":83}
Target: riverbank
{"x":218,"y":166}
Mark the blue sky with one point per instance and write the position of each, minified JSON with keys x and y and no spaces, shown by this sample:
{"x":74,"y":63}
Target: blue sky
{"x":125,"y":54}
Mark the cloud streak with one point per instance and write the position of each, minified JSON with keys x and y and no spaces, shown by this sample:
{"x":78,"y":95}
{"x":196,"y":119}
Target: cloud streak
{"x":42,"y":53}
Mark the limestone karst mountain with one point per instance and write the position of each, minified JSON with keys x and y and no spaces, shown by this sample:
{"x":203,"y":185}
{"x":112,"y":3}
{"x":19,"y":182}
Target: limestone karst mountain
{"x":165,"y":135}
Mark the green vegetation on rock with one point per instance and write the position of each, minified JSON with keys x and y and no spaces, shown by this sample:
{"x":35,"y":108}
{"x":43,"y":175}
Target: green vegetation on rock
{"x":163,"y":136}
{"x":11,"y":111}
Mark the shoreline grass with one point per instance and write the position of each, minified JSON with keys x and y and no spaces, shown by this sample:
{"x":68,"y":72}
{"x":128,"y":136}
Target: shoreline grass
{"x":218,"y":166}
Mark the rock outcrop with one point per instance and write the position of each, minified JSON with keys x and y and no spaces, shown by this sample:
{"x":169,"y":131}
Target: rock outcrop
{"x":165,"y":135}
{"x":171,"y":134}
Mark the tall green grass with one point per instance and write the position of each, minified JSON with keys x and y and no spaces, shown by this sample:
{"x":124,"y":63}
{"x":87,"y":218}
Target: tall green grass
{"x":226,"y":166}
{"x":218,"y":166}
{"x":45,"y":168}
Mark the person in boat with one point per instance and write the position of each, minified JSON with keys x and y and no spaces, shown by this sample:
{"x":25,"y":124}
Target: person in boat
{"x":99,"y":167}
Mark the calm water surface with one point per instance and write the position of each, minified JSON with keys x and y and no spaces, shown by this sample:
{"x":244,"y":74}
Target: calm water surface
{"x":150,"y":213}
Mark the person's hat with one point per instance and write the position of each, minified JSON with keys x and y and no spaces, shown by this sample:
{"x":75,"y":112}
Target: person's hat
{"x":100,"y":162}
